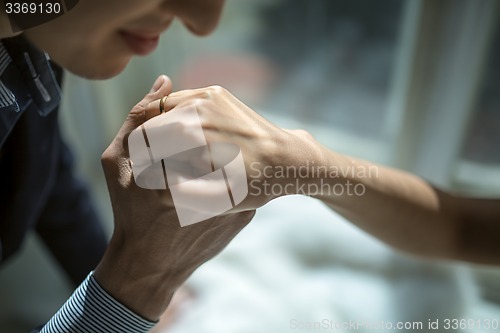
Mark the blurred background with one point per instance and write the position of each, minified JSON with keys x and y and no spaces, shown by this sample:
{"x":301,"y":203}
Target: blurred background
{"x":413,"y":84}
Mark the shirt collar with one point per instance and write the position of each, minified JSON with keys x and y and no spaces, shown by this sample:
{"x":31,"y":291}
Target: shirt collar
{"x":26,"y":80}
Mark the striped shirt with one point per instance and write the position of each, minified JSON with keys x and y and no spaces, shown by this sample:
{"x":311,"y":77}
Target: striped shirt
{"x":90,"y":308}
{"x":6,"y":96}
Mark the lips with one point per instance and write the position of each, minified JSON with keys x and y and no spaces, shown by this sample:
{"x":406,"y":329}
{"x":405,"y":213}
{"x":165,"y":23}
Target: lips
{"x":141,"y":43}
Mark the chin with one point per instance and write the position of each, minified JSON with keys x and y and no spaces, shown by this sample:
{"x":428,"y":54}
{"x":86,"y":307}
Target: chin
{"x":98,"y":70}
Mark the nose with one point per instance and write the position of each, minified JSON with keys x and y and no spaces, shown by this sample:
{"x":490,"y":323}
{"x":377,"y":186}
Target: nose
{"x":199,"y":16}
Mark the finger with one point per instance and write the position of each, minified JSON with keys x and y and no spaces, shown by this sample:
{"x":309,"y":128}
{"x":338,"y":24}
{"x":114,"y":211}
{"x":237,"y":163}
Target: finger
{"x":137,"y":116}
{"x":153,"y":108}
{"x":177,"y":100}
{"x":157,"y":84}
{"x":179,"y":97}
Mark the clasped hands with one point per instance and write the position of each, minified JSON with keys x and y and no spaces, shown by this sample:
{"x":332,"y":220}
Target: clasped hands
{"x":150,"y":255}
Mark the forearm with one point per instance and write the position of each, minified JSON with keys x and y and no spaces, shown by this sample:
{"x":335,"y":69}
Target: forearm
{"x":399,"y":208}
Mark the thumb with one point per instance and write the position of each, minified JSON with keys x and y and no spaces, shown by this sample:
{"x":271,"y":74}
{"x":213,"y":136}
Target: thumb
{"x":159,"y":82}
{"x":137,"y":116}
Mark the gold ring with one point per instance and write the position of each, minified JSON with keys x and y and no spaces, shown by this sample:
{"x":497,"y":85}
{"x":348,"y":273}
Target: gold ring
{"x":162,"y":104}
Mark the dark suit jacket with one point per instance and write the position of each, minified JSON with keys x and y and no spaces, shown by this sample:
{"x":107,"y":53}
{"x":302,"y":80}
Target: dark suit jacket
{"x":38,"y":188}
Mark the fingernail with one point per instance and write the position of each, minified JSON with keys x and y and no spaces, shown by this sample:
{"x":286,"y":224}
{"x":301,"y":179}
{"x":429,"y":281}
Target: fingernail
{"x":158,"y":83}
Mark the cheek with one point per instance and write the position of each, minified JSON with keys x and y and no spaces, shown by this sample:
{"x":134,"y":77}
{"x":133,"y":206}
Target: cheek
{"x":86,"y":41}
{"x":96,"y":60}
{"x":86,"y":53}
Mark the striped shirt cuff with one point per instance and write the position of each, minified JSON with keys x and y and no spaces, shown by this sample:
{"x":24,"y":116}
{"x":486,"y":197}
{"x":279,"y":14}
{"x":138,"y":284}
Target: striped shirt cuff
{"x":91,"y":309}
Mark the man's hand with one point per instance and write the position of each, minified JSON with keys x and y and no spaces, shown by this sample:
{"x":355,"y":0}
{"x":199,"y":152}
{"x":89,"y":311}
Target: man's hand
{"x":150,"y":255}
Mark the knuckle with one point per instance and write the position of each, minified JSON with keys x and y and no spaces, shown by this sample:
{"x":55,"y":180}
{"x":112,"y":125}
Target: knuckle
{"x":217,"y":90}
{"x":148,"y":98}
{"x":205,"y":94}
{"x":106,"y":158}
{"x":211,"y":92}
{"x":305,"y":134}
{"x":199,"y":103}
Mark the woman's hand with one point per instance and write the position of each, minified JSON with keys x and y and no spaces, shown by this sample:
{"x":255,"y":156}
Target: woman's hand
{"x":150,"y":255}
{"x":266,"y":148}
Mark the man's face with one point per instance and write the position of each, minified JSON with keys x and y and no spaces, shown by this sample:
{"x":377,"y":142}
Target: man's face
{"x":98,"y":38}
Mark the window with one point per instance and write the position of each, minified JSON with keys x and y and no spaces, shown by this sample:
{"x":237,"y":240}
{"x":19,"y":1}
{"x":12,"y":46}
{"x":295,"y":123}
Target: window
{"x":480,"y":156}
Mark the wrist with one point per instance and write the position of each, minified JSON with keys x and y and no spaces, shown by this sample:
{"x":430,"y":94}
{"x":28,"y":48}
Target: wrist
{"x":292,"y":165}
{"x":304,"y":164}
{"x":134,"y":280}
{"x":314,"y":170}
